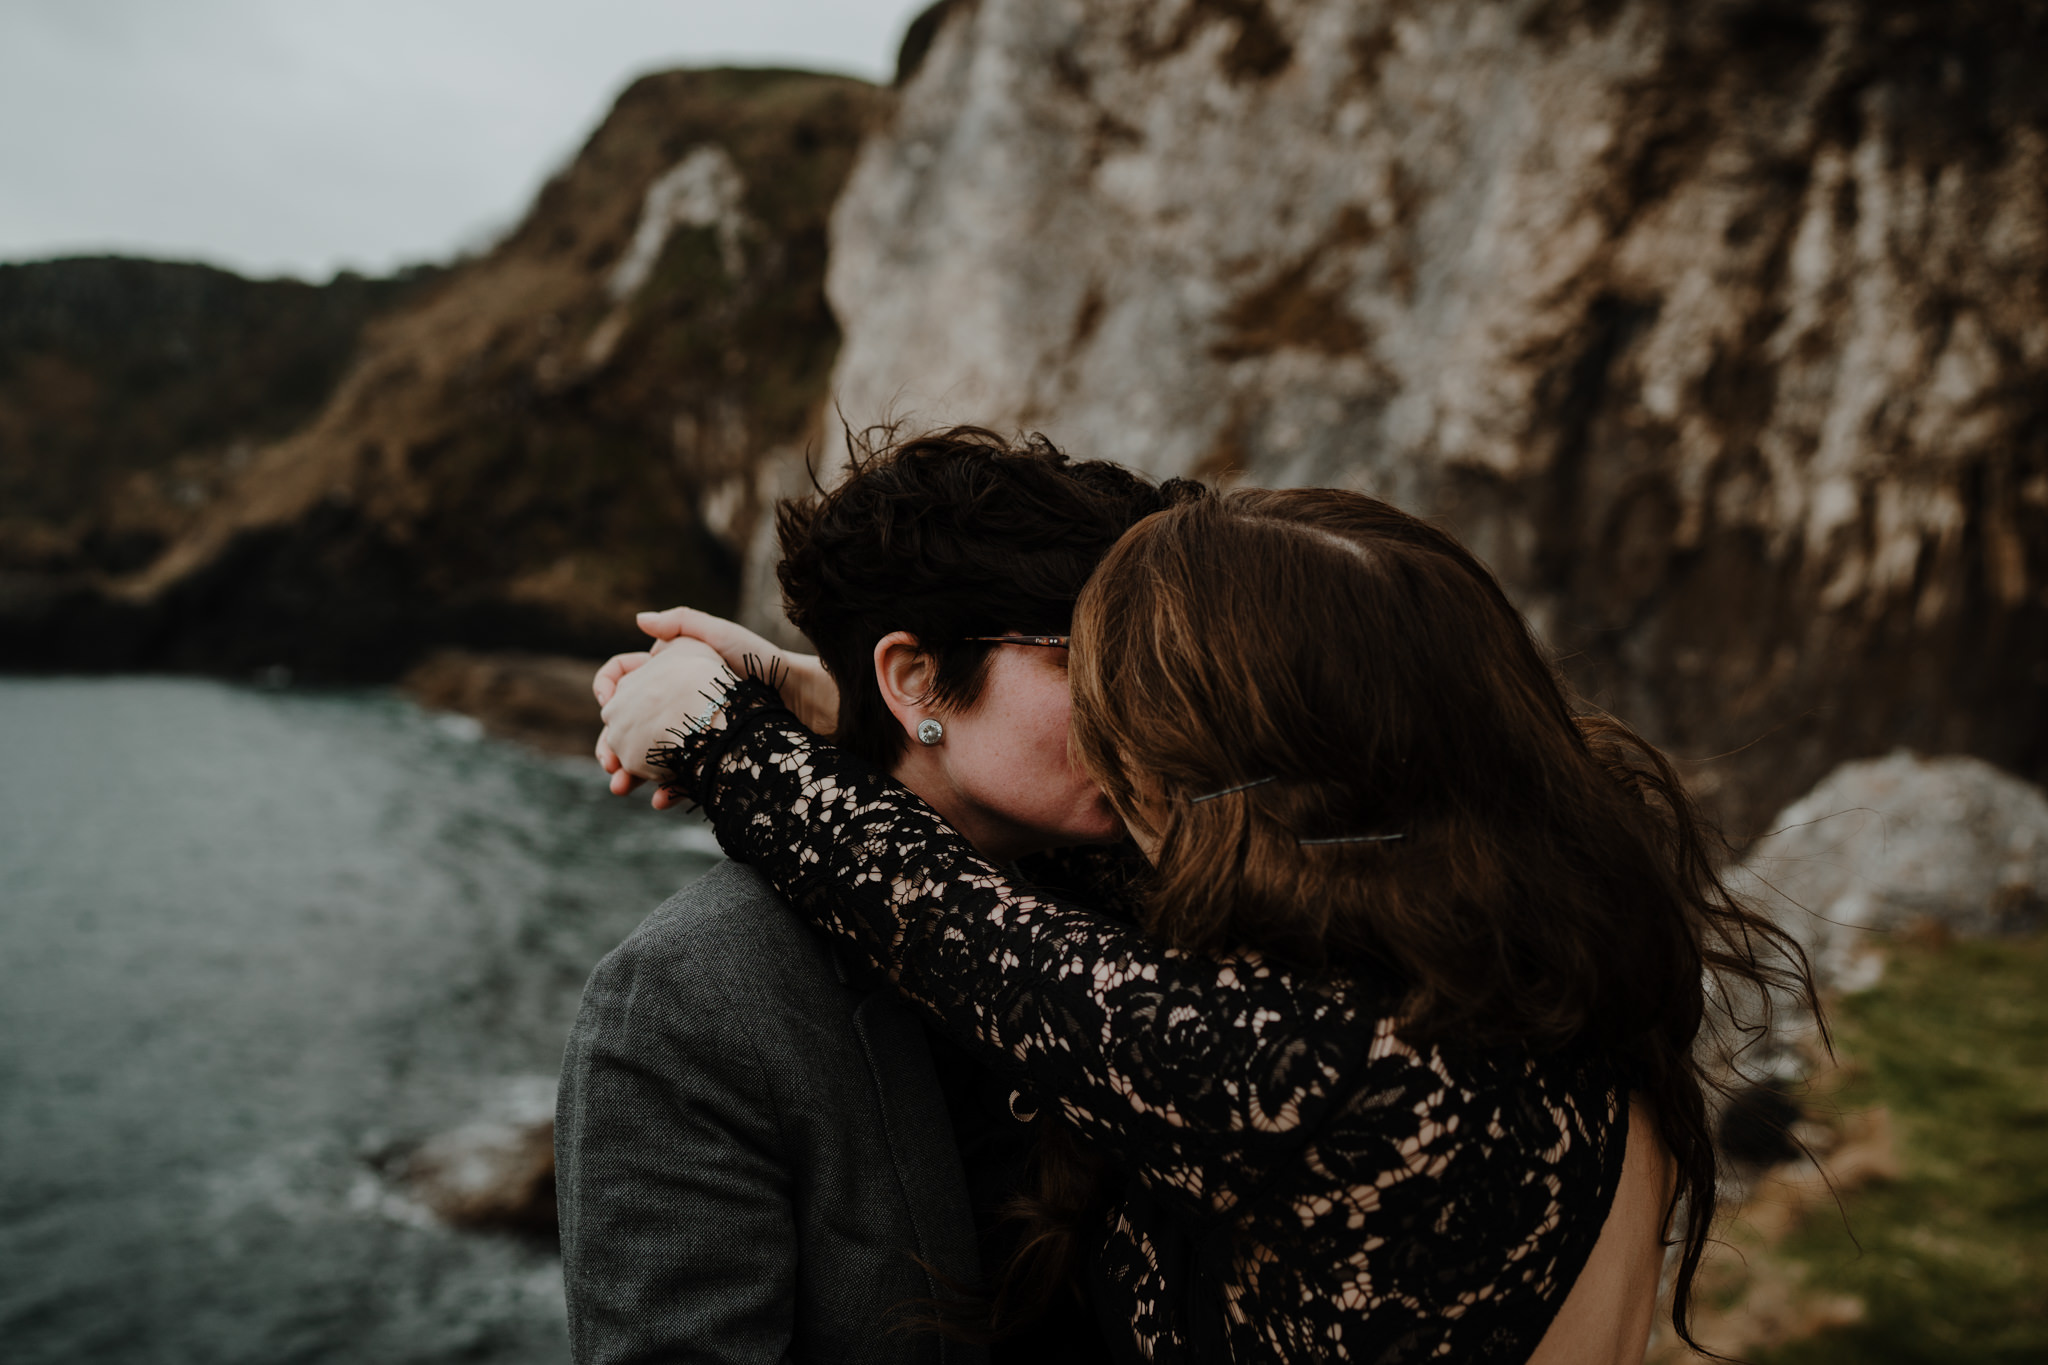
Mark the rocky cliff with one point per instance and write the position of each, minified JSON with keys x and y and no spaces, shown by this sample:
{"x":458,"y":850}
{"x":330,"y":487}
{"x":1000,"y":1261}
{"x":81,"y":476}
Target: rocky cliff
{"x":1719,"y":328}
{"x":553,"y":434}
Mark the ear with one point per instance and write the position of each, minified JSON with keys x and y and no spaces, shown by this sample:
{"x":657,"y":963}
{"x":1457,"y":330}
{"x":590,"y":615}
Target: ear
{"x":904,"y":674}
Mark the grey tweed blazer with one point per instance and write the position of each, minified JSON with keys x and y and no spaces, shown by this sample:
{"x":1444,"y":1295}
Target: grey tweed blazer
{"x":750,"y":1150}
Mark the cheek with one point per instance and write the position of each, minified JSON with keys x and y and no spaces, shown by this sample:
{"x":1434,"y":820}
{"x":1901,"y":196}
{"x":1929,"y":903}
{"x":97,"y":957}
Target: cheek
{"x":1017,"y":757}
{"x":1054,"y":718}
{"x":1032,"y":738}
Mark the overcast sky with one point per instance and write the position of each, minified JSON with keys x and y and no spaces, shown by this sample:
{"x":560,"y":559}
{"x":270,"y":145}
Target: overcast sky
{"x":303,"y":136}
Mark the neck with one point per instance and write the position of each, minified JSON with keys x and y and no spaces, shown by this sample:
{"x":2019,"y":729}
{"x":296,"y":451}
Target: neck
{"x":998,"y":840}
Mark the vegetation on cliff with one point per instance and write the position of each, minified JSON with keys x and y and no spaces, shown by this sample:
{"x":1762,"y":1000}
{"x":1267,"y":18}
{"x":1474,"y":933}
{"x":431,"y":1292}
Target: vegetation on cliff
{"x":556,"y":433}
{"x":130,"y":391}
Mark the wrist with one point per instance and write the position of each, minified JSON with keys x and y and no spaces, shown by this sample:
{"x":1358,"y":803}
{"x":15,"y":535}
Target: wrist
{"x":688,"y":760}
{"x":813,"y":695}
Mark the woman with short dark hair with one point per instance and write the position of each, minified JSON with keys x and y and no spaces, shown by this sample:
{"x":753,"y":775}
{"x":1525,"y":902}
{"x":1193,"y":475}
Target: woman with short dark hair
{"x":1401,"y":1062}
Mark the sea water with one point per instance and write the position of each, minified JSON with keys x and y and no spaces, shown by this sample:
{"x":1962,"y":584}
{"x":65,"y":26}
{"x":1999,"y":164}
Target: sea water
{"x":250,"y":940}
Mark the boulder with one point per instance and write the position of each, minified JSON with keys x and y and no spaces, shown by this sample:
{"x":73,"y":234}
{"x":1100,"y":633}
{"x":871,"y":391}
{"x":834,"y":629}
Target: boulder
{"x":1901,"y":844}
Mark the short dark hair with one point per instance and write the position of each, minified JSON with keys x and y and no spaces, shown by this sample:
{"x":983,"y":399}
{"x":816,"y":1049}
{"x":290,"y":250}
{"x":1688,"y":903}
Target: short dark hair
{"x":945,"y":535}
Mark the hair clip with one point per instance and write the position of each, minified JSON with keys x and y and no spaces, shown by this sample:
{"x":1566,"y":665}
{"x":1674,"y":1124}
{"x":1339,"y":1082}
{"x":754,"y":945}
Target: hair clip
{"x":1242,"y":786}
{"x":1351,"y":839}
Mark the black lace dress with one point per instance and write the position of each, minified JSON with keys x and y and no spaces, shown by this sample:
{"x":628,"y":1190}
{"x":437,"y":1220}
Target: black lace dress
{"x":1301,"y":1182}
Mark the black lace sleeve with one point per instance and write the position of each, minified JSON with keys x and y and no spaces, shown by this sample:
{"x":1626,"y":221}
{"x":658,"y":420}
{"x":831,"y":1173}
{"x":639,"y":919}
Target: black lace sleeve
{"x":1089,"y":1009}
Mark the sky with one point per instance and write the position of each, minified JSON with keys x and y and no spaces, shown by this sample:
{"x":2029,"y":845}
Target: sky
{"x":300,"y":137}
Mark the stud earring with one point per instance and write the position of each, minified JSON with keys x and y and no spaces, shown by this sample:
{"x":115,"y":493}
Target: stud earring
{"x":930,"y":732}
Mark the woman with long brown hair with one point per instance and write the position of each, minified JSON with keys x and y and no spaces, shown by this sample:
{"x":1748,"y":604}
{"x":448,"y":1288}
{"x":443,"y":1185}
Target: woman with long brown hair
{"x":1402,"y":1061}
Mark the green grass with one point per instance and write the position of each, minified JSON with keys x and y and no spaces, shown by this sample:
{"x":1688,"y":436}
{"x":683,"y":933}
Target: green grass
{"x":1953,"y":1265}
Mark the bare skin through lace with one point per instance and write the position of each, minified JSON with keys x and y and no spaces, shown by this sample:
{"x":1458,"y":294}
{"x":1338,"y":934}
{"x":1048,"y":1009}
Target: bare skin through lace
{"x":1302,"y":1181}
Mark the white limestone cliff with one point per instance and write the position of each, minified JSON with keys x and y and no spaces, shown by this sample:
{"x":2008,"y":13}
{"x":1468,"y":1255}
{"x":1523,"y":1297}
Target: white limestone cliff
{"x":1718,"y":329}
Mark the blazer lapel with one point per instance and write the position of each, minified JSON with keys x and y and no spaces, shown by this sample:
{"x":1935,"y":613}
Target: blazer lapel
{"x":920,"y":1136}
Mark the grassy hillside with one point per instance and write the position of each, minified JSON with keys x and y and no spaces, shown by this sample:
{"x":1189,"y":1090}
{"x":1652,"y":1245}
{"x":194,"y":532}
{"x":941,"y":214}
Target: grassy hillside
{"x":1933,"y":1247}
{"x":1950,"y":1260}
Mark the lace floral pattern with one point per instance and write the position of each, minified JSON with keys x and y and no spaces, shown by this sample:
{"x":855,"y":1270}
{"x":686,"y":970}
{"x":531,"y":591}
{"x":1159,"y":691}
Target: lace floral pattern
{"x":1303,"y":1183}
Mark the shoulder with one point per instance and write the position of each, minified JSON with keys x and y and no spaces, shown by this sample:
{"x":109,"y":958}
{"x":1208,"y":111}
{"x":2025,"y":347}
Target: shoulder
{"x":725,"y":951}
{"x":726,"y":917}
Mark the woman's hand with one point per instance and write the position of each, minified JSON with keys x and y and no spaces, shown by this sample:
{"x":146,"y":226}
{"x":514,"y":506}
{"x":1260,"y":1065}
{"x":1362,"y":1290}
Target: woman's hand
{"x":667,"y":690}
{"x":807,"y":689}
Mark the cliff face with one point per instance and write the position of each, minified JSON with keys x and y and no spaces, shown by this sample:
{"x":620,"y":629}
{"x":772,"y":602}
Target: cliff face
{"x":548,"y":437}
{"x":1718,"y":328}
{"x":131,"y":390}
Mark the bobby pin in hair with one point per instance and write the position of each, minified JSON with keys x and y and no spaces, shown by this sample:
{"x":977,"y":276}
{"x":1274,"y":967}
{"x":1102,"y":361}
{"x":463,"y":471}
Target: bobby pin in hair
{"x":1242,"y":786}
{"x":1351,"y":839}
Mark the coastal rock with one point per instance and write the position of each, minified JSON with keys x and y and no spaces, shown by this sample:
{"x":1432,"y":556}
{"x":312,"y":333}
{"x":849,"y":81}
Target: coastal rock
{"x":485,"y":1175}
{"x":1716,"y":328}
{"x":1901,"y":844}
{"x":541,"y":700}
{"x":496,"y":1171}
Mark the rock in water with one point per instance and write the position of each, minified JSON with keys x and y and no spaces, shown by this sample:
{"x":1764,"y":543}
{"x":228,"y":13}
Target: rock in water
{"x":1887,"y":844}
{"x":1716,"y":328}
{"x":538,"y":699}
{"x":486,"y":1175}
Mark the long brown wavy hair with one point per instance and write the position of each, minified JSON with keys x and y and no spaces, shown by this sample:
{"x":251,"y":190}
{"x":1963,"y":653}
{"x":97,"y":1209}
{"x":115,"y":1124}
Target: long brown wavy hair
{"x":1553,"y":883}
